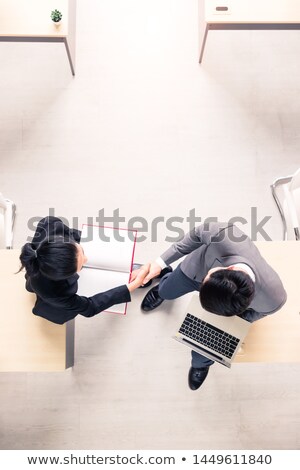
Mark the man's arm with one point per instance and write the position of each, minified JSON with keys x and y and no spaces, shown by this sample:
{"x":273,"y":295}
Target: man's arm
{"x":189,"y":243}
{"x":252,"y":315}
{"x":201,"y":235}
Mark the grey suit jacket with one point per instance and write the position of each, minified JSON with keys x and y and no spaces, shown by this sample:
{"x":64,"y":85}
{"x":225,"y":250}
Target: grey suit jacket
{"x":219,"y":244}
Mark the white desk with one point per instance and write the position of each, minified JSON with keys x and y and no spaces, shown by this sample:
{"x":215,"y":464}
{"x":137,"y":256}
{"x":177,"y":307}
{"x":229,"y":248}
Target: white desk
{"x":29,"y":21}
{"x":30,"y":343}
{"x":27,"y":342}
{"x":248,"y":14}
{"x":276,"y":338}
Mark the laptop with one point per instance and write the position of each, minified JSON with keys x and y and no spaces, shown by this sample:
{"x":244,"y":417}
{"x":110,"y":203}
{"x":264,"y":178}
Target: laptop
{"x":215,"y":336}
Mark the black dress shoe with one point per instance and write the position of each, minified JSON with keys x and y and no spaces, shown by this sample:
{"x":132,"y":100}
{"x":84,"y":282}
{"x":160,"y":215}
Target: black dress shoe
{"x":152,"y":300}
{"x":197,"y":377}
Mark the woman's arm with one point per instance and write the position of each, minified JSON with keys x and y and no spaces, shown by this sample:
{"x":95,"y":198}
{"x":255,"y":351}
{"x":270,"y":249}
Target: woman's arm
{"x":90,"y":306}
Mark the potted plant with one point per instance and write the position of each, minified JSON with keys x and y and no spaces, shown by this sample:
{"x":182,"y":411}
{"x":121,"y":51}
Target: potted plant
{"x":56,"y":17}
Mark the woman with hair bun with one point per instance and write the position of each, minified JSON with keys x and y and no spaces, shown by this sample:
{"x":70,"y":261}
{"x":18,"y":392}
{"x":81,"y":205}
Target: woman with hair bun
{"x":52,"y":262}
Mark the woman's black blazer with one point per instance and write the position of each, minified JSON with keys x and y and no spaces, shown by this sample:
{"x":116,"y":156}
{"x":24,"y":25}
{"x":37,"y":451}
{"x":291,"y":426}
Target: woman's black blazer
{"x":57,"y":301}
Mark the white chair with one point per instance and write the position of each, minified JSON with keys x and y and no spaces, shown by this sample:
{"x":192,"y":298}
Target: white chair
{"x":286,"y":193}
{"x":7,"y":219}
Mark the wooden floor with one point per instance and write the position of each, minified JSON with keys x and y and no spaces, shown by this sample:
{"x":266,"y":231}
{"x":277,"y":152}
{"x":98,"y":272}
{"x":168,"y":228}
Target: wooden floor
{"x":143,"y":128}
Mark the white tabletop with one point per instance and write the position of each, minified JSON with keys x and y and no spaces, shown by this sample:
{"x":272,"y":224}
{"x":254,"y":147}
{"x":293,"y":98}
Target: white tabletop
{"x":31,"y":18}
{"x":253,"y":11}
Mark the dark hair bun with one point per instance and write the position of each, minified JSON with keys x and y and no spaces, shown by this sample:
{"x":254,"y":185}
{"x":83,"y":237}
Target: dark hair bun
{"x":29,"y":260}
{"x":55,"y":258}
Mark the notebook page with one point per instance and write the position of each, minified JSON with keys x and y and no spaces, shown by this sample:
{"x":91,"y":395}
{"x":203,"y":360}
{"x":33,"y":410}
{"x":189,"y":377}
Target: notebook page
{"x":114,"y":255}
{"x":94,"y":281}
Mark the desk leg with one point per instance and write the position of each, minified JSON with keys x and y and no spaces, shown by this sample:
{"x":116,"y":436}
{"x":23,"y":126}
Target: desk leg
{"x":72,"y":65}
{"x":70,"y":40}
{"x":70,"y":343}
{"x":203,"y":43}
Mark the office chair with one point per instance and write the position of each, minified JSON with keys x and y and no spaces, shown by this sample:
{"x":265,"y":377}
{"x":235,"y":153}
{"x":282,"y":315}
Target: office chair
{"x":7,"y":220}
{"x":286,"y":193}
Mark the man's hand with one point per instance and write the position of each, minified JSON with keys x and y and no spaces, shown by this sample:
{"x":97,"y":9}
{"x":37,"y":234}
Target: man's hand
{"x":137,"y":278}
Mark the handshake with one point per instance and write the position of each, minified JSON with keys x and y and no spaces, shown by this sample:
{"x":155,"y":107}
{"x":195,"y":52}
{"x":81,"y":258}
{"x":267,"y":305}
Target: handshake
{"x":144,"y":274}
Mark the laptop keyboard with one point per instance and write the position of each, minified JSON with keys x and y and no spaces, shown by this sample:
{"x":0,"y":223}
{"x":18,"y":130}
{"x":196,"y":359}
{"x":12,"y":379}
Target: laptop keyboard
{"x":209,"y":336}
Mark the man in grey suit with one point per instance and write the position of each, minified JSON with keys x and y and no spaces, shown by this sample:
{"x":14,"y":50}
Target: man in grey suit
{"x":227,"y":269}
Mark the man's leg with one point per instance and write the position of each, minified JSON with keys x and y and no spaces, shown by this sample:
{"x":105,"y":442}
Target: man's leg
{"x":176,"y":284}
{"x":199,"y":370}
{"x":199,"y":361}
{"x":171,"y":286}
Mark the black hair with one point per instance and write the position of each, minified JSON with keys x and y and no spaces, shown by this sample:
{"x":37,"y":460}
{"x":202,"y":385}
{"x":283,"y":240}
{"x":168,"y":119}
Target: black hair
{"x":227,"y":292}
{"x":55,"y":259}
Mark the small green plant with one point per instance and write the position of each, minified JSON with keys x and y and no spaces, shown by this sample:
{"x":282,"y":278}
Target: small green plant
{"x":56,"y":16}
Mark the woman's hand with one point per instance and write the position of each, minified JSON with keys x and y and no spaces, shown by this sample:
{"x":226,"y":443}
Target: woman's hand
{"x":137,"y":277}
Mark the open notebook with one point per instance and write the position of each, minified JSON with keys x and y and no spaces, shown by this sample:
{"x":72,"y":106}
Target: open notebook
{"x":109,"y":262}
